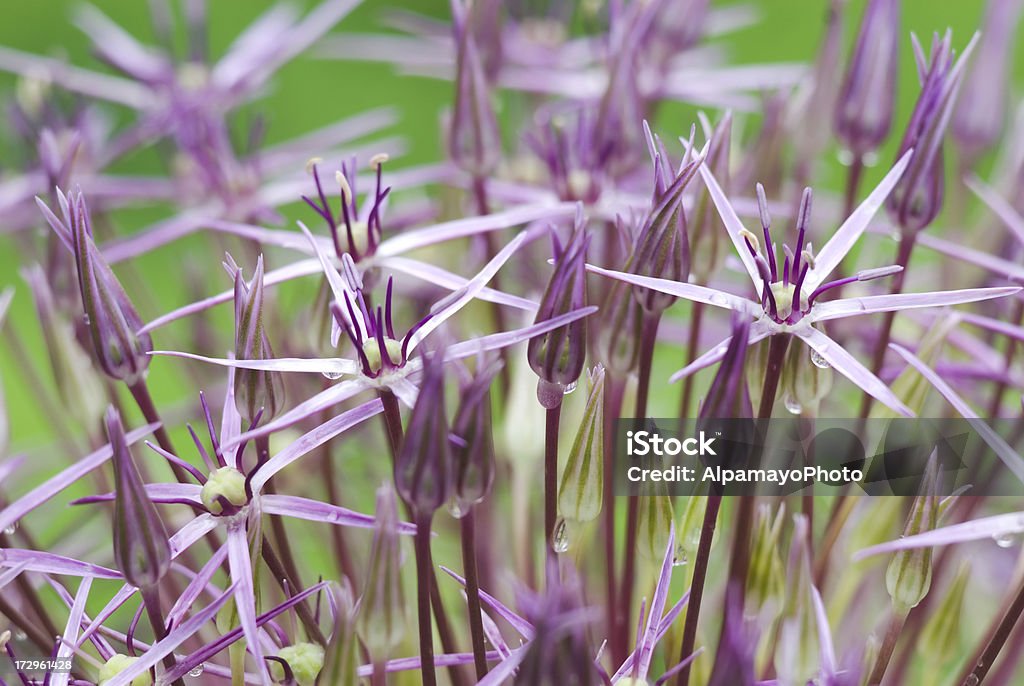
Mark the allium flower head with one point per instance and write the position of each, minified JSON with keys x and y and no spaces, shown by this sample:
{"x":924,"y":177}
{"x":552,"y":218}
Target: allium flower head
{"x":355,"y":232}
{"x":867,"y":98}
{"x":141,"y":546}
{"x":568,"y":143}
{"x":113,"y":322}
{"x":917,"y":198}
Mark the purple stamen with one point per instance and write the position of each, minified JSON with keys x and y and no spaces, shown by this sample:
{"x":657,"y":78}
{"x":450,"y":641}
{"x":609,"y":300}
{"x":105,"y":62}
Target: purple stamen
{"x":766,"y":224}
{"x":387,"y":308}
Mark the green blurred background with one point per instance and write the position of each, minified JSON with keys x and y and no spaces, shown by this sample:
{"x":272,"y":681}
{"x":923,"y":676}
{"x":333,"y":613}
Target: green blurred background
{"x":311,"y":92}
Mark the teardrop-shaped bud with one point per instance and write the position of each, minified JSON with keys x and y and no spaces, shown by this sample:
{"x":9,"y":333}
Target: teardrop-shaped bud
{"x":474,"y":453}
{"x":474,"y":141}
{"x":940,"y":638}
{"x":557,"y":357}
{"x":766,"y":580}
{"x":381,"y":619}
{"x":111,"y":318}
{"x":342,"y":654}
{"x":423,"y":468}
{"x":141,"y":548}
{"x":797,"y":656}
{"x":909,"y":574}
{"x":654,"y":525}
{"x":867,"y":98}
{"x":255,"y":390}
{"x":581,"y":489}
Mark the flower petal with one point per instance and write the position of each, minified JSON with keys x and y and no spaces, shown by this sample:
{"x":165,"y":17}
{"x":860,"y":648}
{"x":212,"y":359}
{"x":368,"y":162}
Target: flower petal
{"x":995,"y":526}
{"x":847,"y":235}
{"x":844,"y":363}
{"x":315,"y":365}
{"x":315,"y":511}
{"x":689,"y":291}
{"x":732,"y":222}
{"x":759,"y":330}
{"x":849,"y":307}
{"x":1013,"y":461}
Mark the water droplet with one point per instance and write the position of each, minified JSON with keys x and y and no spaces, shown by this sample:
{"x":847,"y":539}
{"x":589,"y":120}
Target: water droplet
{"x":679,"y":558}
{"x":560,"y":539}
{"x":196,"y":671}
{"x":455,"y":508}
{"x":569,"y":388}
{"x":792,"y":404}
{"x":845,"y":157}
{"x":818,"y":360}
{"x":718,"y":299}
{"x":1004,"y":540}
{"x":972,"y":680}
{"x":332,"y":375}
{"x":11,"y":529}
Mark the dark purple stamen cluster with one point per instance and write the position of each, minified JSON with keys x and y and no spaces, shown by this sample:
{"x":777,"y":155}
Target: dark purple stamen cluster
{"x":358,"y":244}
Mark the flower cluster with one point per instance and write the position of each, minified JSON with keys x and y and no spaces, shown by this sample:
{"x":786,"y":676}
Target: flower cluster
{"x":408,"y":467}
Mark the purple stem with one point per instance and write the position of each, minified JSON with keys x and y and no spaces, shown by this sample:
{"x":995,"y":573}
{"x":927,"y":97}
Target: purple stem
{"x":151,"y":600}
{"x":551,"y":422}
{"x":700,"y":572}
{"x":424,"y":581}
{"x":476,"y":625}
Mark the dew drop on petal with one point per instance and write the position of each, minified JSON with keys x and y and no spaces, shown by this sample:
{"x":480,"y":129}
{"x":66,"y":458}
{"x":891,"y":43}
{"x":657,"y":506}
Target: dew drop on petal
{"x":455,"y":508}
{"x":569,"y":388}
{"x":819,"y":360}
{"x":331,"y":375}
{"x":972,"y":680}
{"x":1004,"y":540}
{"x":679,"y":558}
{"x":718,"y":299}
{"x":792,"y":404}
{"x":11,"y":529}
{"x":560,"y":539}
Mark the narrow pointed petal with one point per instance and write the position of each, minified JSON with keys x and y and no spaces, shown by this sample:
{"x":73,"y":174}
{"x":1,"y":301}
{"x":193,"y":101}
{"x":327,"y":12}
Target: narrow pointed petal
{"x":646,"y":649}
{"x":996,"y":526}
{"x":959,"y":251}
{"x":240,"y":565}
{"x":175,"y":638}
{"x":1013,"y":461}
{"x":689,"y":291}
{"x":316,"y":365}
{"x":50,"y":563}
{"x":460,"y":298}
{"x":183,"y":604}
{"x":292,"y":271}
{"x":517,"y":622}
{"x":758,"y":332}
{"x":998,"y":204}
{"x":844,"y":363}
{"x":847,"y":235}
{"x":314,"y":511}
{"x":732,"y":222}
{"x":471,"y":226}
{"x":10,"y":515}
{"x":453,"y":282}
{"x":848,"y":307}
{"x":312,"y":440}
{"x":71,"y":629}
{"x":505,"y":339}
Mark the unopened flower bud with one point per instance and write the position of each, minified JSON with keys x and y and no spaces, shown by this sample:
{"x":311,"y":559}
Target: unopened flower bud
{"x":79,"y":386}
{"x":474,"y":141}
{"x":917,"y":198}
{"x":797,"y":657}
{"x":981,"y":114}
{"x":474,"y":456}
{"x":255,"y":389}
{"x":940,"y":638}
{"x":909,"y":575}
{"x":618,"y":329}
{"x":340,"y":661}
{"x":728,"y":396}
{"x":705,"y":227}
{"x":305,"y":660}
{"x":766,"y":578}
{"x":141,"y":547}
{"x":868,"y":95}
{"x":423,"y":469}
{"x":112,"y":320}
{"x":381,"y":620}
{"x":662,"y":246}
{"x":581,"y":490}
{"x":654,"y":525}
{"x":557,"y":357}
